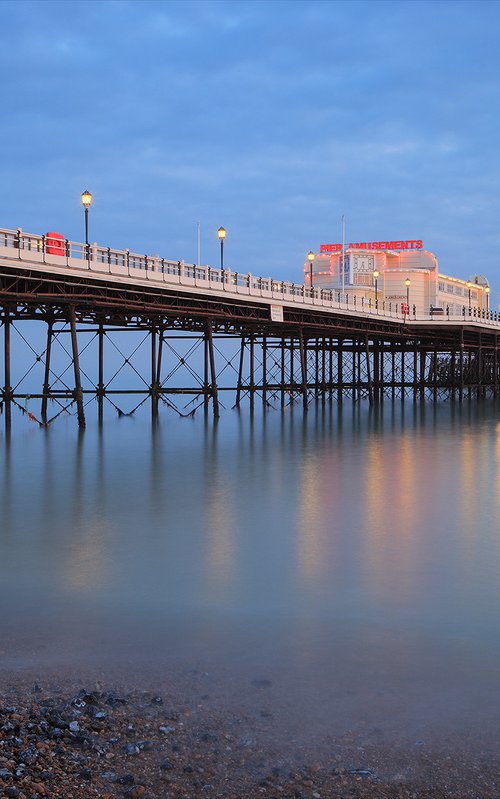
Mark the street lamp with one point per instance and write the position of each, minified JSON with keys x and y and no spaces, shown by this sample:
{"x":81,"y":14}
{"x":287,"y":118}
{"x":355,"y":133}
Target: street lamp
{"x":408,"y":284}
{"x":487,"y":292}
{"x":87,"y":202}
{"x":222,"y":233}
{"x":376,"y":275}
{"x":310,"y":258}
{"x":469,"y":286}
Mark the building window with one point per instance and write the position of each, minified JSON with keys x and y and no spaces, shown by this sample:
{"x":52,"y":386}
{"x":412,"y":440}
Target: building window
{"x":449,"y":288}
{"x":458,"y":290}
{"x":362,"y":280}
{"x":473,"y":296}
{"x":441,"y":285}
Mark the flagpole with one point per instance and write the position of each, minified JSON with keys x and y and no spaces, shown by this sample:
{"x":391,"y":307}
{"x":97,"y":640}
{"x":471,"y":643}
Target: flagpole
{"x":343,"y":257}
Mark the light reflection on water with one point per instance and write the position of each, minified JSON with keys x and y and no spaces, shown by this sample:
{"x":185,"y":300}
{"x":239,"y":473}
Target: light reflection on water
{"x":352,"y":555}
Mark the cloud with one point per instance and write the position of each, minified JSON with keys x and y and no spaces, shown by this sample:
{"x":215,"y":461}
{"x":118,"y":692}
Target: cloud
{"x":275,"y":118}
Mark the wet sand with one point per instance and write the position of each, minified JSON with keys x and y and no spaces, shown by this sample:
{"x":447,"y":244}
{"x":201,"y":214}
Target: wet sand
{"x":86,"y":735}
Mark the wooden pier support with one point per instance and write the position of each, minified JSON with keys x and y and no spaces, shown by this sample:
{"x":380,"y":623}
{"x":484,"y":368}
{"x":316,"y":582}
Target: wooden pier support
{"x":252,"y":372}
{"x":340,"y":371}
{"x":78,"y":393}
{"x":46,"y":377}
{"x":276,"y":367}
{"x":282,"y":373}
{"x":207,"y":391}
{"x":154,"y":372}
{"x":303,"y":370}
{"x":264,"y":371}
{"x":100,"y":377}
{"x":368,"y":371}
{"x":213,"y":373}
{"x":495,"y":367}
{"x":240,"y":372}
{"x":7,"y":389}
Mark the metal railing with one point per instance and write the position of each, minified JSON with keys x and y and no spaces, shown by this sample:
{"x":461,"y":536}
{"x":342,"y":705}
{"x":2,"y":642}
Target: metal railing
{"x":94,"y":258}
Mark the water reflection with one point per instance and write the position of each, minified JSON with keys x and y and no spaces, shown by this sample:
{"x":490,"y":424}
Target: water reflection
{"x":349,"y":543}
{"x":220,"y":520}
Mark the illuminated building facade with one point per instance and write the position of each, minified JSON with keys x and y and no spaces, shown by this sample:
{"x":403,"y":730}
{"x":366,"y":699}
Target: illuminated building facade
{"x":393,"y":272}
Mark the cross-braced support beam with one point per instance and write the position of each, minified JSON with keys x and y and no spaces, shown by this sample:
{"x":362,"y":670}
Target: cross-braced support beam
{"x":186,"y":362}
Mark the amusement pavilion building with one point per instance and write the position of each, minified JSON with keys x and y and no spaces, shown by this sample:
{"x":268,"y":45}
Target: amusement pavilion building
{"x":394,"y":272}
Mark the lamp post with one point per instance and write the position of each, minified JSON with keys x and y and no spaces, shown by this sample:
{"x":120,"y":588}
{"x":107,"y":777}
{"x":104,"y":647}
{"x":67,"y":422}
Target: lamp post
{"x":376,"y":275}
{"x":222,"y":233}
{"x":408,"y":284}
{"x":87,"y":202}
{"x":310,"y":258}
{"x":487,"y":292}
{"x":469,"y":286}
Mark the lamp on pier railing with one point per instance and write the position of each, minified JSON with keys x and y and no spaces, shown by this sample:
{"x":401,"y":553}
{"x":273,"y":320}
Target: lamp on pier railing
{"x":487,"y":292}
{"x":376,"y":275}
{"x":469,"y":286}
{"x":222,"y":233}
{"x":408,"y":284}
{"x":87,"y":202}
{"x":310,"y":258}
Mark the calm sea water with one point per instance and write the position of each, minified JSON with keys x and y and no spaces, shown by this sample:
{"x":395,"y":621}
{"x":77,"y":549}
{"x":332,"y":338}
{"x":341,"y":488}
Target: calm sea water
{"x":350,"y":558}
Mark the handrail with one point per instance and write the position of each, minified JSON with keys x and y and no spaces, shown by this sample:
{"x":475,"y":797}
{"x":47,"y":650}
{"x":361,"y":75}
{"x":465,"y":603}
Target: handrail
{"x":63,"y":252}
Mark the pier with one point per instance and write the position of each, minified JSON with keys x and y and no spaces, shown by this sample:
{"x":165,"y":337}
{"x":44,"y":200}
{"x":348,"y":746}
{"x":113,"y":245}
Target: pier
{"x":215,"y":338}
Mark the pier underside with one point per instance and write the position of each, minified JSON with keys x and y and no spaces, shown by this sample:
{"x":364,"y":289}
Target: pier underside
{"x":71,"y":344}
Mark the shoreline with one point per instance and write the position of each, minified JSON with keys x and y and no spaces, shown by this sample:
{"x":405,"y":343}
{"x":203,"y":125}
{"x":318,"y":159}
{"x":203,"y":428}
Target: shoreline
{"x":93,"y":737}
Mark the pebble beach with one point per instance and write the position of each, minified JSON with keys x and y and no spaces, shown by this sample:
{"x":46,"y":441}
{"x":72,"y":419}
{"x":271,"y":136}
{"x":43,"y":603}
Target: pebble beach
{"x":74,"y":741}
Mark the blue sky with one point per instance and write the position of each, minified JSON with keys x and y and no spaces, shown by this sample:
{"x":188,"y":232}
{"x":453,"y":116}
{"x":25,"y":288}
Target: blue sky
{"x":270,"y":118}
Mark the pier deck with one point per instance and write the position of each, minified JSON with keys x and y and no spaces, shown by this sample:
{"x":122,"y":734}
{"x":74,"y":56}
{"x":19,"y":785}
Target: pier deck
{"x":292,"y":343}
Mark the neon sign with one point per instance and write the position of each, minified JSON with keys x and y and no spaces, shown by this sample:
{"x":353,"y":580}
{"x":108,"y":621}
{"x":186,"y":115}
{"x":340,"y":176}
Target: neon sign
{"x":409,"y":244}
